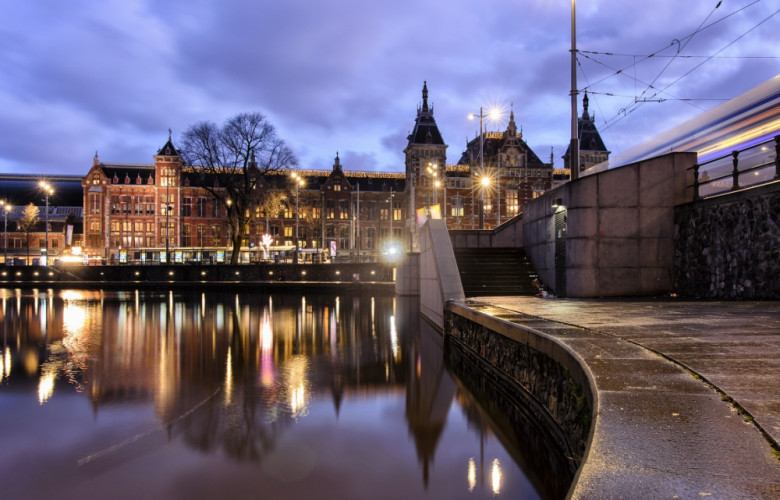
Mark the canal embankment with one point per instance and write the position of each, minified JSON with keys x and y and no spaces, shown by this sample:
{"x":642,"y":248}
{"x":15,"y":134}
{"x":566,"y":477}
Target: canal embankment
{"x":373,"y":277}
{"x":685,"y":394}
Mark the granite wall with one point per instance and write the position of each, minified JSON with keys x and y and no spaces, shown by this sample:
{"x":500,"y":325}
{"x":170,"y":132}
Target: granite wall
{"x":553,"y":382}
{"x":728,"y":247}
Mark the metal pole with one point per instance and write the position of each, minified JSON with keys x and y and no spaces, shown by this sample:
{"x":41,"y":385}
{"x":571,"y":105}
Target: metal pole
{"x":167,"y":211}
{"x":47,"y":225}
{"x":5,"y":234}
{"x":481,"y":173}
{"x":574,"y":147}
{"x":391,"y":213}
{"x":498,"y":184}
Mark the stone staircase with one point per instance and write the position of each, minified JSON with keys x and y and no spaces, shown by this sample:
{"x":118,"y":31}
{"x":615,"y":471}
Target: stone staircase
{"x":495,"y":271}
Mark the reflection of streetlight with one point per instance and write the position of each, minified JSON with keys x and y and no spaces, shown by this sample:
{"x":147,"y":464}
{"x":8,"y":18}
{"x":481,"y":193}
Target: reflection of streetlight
{"x":6,"y":208}
{"x":47,"y":190}
{"x":485,"y":183}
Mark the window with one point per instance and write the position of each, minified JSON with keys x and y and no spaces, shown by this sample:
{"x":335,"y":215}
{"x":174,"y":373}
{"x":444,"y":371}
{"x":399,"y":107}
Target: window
{"x":512,"y":205}
{"x":149,"y":205}
{"x":94,"y":226}
{"x":384,"y":213}
{"x":114,"y":205}
{"x":94,"y":203}
{"x":370,"y":238}
{"x":288,"y":231}
{"x":330,"y":209}
{"x":457,"y":206}
{"x":186,"y":231}
{"x":186,"y":206}
{"x":343,"y":209}
{"x":337,"y":187}
{"x":200,"y":207}
{"x":398,"y":213}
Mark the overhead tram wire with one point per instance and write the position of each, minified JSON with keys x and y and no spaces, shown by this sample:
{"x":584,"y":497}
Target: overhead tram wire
{"x":657,"y":53}
{"x":658,"y":56}
{"x":632,"y":107}
{"x":680,"y":47}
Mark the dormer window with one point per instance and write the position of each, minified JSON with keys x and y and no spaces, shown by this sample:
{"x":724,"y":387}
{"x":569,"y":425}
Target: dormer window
{"x":115,"y":180}
{"x":138,"y":179}
{"x":337,"y":187}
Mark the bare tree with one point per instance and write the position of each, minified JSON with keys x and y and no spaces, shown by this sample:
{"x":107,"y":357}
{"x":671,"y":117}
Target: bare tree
{"x":27,"y":223}
{"x":233,"y":161}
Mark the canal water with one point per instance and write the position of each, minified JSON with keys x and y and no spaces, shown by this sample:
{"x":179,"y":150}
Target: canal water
{"x":215,"y":395}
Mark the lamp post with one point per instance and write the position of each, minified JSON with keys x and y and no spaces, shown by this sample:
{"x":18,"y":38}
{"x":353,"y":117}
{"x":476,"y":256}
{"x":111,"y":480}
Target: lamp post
{"x":47,"y":190}
{"x":298,"y":180}
{"x":6,"y":208}
{"x":391,"y":214}
{"x":485,"y":183}
{"x":481,"y":168}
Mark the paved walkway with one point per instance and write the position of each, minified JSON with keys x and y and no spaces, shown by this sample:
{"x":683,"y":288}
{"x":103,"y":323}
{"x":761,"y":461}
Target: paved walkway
{"x":661,"y":432}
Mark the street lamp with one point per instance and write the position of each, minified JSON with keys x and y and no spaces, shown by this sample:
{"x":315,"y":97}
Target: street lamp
{"x":298,"y":180}
{"x":485,"y":183}
{"x":47,"y":190}
{"x":6,"y":208}
{"x":481,"y":168}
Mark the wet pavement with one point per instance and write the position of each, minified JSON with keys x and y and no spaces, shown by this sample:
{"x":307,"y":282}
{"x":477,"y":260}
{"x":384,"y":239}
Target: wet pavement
{"x":688,"y":392}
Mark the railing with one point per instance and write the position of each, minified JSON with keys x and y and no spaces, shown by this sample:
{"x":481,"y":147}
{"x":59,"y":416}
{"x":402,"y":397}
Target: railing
{"x":716,"y":176}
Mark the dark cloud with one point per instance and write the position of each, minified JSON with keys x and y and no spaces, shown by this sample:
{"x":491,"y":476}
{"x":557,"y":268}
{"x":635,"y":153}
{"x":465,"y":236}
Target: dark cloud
{"x":346,"y":75}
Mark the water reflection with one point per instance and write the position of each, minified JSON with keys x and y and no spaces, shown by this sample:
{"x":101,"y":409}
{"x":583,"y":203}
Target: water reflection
{"x":306,"y":386}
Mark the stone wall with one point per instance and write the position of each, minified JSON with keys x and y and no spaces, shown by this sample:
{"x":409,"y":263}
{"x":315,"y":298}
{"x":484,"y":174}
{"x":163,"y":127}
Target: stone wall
{"x":552,"y":381}
{"x":728,"y":247}
{"x":616,"y":229}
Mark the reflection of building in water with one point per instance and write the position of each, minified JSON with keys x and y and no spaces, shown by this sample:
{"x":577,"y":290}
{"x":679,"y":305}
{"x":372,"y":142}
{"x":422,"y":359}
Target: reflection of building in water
{"x":230,"y":372}
{"x":430,"y":390}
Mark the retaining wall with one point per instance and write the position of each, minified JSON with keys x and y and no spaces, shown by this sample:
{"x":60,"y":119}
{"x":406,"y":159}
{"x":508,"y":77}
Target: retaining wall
{"x":545,"y":371}
{"x":728,"y":247}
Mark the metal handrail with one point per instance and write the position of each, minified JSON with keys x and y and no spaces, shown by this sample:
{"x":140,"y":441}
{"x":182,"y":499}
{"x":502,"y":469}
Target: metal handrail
{"x":735,"y":172}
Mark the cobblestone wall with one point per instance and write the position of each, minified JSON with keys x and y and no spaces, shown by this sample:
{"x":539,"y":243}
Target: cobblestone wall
{"x":729,"y":247}
{"x":555,"y":395}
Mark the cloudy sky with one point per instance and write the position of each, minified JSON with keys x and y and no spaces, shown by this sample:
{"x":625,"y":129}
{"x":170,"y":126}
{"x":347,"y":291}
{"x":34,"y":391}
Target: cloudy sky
{"x":112,"y":76}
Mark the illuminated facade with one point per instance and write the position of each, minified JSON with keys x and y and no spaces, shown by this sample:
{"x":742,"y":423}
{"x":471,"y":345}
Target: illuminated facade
{"x":143,"y":212}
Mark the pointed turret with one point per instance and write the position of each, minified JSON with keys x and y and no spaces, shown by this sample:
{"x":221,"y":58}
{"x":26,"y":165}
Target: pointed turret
{"x":168,"y":149}
{"x":592,"y":148}
{"x":337,"y":163}
{"x":425,"y":129}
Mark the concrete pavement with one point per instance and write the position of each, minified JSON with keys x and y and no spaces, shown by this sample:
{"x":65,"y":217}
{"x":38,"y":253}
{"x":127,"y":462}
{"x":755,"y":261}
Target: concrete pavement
{"x":687,"y":392}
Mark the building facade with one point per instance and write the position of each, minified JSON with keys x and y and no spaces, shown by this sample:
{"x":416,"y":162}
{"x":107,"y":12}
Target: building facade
{"x":167,"y":211}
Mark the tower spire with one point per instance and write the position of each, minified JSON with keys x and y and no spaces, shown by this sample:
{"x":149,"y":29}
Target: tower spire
{"x":425,"y":95}
{"x":585,"y":100}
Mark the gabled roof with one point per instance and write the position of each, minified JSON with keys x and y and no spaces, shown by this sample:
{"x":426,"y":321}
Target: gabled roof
{"x":168,"y":149}
{"x":495,"y":142}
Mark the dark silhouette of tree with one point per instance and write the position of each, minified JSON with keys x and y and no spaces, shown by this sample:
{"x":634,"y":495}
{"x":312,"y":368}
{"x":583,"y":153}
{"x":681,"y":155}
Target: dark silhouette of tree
{"x":234,"y":161}
{"x":27,"y":223}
